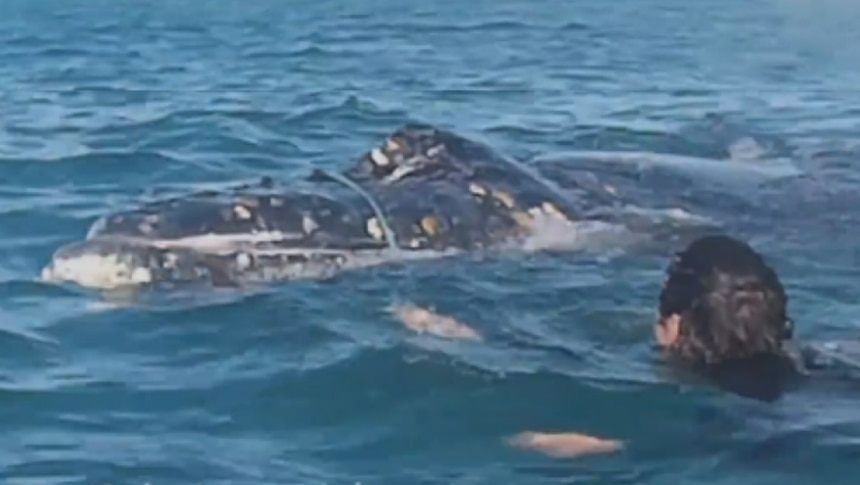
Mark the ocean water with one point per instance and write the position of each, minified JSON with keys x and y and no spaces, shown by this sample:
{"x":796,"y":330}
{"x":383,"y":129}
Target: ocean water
{"x":108,"y":103}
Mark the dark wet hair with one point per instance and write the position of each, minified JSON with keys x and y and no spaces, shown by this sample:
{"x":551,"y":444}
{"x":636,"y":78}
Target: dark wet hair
{"x":730,"y":302}
{"x":734,"y":322}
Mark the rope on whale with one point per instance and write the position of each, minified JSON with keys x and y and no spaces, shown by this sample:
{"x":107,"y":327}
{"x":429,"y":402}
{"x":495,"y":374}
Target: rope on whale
{"x":390,"y":238}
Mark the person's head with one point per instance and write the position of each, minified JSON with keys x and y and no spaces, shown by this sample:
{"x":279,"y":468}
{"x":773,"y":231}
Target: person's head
{"x":722,"y":306}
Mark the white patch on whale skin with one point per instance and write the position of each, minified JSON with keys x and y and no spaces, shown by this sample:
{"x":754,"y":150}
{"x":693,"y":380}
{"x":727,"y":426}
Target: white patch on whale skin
{"x":95,"y":271}
{"x":211,"y":242}
{"x":218,"y":243}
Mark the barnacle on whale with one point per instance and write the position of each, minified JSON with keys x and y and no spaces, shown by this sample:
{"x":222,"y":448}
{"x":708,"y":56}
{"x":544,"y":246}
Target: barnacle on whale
{"x":145,"y":227}
{"x":477,"y":189}
{"x":309,"y":225}
{"x":551,"y":209}
{"x":430,"y":225}
{"x":379,"y":159}
{"x":374,"y":229}
{"x":170,"y":260}
{"x":243,"y":261}
{"x":392,"y":146}
{"x":433,"y":151}
{"x":242,"y":212}
{"x":505,"y":198}
{"x":523,"y":219}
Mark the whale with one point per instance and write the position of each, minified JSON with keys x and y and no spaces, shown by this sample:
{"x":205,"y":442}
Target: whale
{"x":422,"y":192}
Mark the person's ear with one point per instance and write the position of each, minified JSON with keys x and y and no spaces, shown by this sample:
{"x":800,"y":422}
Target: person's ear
{"x":667,"y":330}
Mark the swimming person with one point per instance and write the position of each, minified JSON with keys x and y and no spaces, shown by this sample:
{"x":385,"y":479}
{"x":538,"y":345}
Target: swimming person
{"x":723,"y":314}
{"x":722,"y":317}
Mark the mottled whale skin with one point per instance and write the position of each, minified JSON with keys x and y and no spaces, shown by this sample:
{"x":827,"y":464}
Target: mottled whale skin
{"x":423,"y":189}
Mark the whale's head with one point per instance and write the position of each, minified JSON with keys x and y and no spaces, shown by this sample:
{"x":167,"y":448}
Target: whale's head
{"x":101,"y":263}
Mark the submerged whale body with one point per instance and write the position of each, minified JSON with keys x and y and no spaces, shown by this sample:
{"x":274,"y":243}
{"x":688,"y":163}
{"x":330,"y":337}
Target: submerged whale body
{"x":424,"y":192}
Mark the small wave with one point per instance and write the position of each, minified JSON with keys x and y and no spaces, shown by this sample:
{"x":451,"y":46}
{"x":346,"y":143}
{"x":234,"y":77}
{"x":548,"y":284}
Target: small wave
{"x":90,"y":168}
{"x":351,"y":108}
{"x":11,"y":336}
{"x":454,"y":27}
{"x":574,"y":26}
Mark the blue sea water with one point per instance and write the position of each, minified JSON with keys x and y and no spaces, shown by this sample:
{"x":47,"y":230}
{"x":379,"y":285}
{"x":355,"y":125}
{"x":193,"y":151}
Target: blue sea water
{"x":108,"y":103}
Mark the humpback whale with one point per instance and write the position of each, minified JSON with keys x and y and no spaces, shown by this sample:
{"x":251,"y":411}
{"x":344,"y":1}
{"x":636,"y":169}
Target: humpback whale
{"x":423,"y":192}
